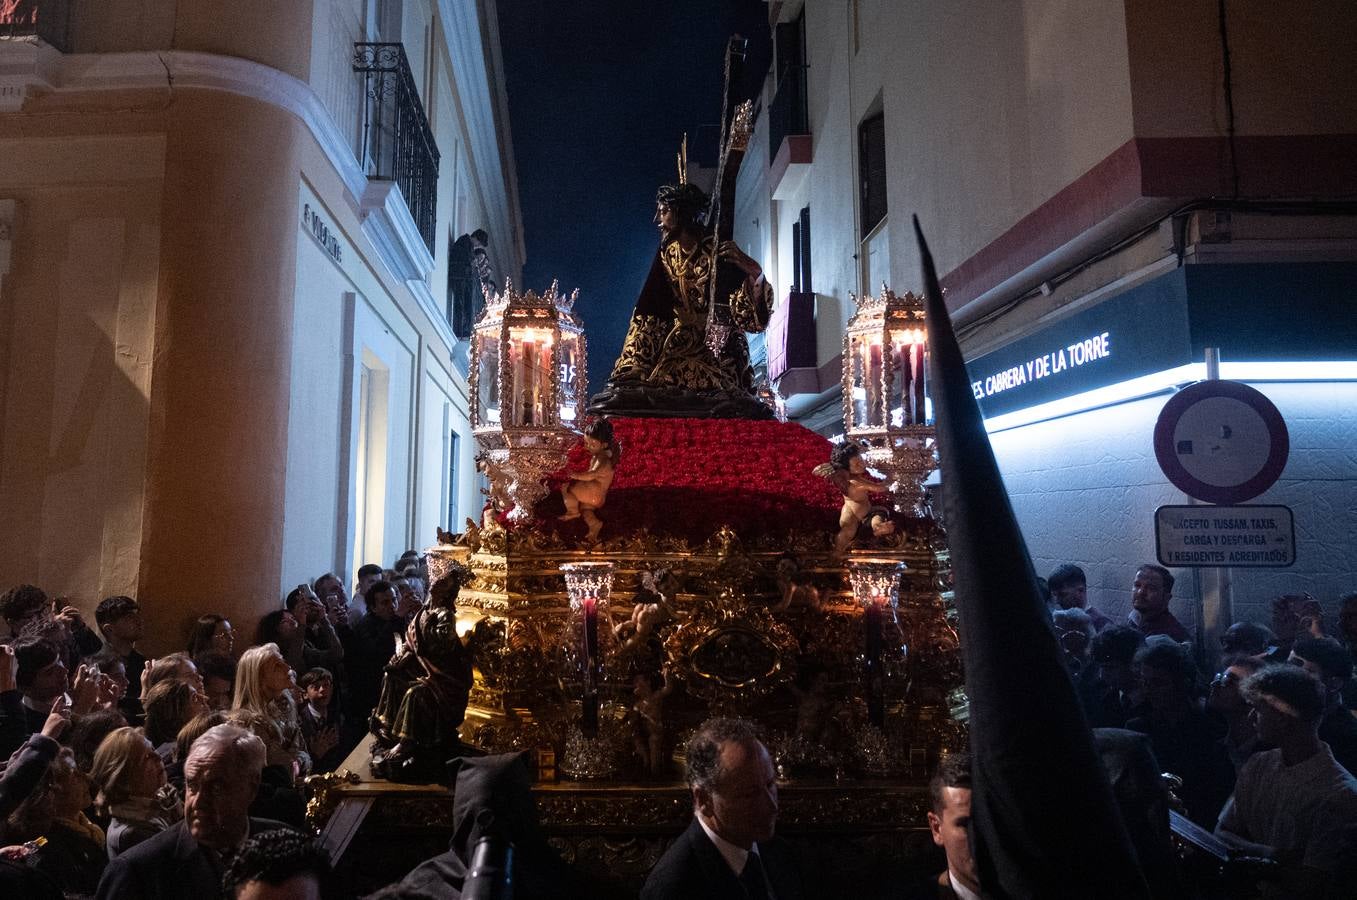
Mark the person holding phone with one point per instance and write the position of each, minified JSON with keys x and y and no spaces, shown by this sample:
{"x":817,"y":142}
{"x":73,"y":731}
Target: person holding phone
{"x":40,"y":677}
{"x":319,"y":641}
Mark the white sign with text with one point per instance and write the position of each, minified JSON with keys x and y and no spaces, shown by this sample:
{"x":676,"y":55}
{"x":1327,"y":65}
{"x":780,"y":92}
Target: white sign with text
{"x":1225,"y":536}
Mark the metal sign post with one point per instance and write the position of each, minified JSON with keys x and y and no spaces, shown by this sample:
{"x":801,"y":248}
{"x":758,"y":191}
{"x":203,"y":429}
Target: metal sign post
{"x":1215,"y":594}
{"x":1221,"y":443}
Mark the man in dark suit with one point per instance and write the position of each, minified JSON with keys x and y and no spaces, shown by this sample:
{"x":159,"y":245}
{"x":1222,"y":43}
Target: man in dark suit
{"x":221,"y":777}
{"x":728,"y":852}
{"x":949,"y":822}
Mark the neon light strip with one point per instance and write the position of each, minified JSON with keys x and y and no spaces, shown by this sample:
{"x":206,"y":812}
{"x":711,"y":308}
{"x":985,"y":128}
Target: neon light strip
{"x":1289,"y":371}
{"x":1159,"y":382}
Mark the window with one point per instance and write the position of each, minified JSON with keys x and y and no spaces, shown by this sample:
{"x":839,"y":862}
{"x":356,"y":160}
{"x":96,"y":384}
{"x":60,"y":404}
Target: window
{"x":872,"y":170}
{"x":788,"y":114}
{"x":874,"y":252}
{"x":464,"y":287}
{"x":801,"y":253}
{"x":452,"y":523}
{"x":374,"y":390}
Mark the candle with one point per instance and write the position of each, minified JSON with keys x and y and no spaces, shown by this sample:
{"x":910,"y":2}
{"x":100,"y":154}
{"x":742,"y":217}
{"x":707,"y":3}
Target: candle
{"x":916,"y":362}
{"x":589,"y":718}
{"x":527,"y":383}
{"x":876,"y":713}
{"x":901,"y":362}
{"x":874,"y":383}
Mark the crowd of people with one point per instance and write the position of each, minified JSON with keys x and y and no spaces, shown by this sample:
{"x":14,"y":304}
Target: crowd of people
{"x":174,"y":776}
{"x":136,"y":777}
{"x":1263,"y":746}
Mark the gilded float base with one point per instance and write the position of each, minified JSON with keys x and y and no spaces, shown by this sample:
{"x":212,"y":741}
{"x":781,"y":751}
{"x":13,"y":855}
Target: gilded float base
{"x":874,"y":832}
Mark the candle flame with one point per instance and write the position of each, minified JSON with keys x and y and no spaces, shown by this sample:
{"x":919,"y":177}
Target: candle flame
{"x":541,"y":336}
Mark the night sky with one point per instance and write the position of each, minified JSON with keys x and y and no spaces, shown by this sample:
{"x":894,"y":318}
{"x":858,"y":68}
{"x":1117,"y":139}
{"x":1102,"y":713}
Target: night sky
{"x":600,"y":95}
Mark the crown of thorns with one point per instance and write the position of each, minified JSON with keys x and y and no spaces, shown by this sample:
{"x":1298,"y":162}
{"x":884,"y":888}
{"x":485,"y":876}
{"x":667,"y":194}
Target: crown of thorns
{"x":457,"y":573}
{"x":683,"y":198}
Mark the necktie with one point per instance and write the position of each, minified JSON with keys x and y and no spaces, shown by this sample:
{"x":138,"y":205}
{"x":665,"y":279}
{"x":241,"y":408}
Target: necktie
{"x":755,"y":886}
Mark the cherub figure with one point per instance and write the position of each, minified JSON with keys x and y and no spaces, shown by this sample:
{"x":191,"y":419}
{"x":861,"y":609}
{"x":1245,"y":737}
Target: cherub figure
{"x":794,"y":584}
{"x":650,"y":690}
{"x":847,"y":471}
{"x":652,"y":609}
{"x":584,"y":494}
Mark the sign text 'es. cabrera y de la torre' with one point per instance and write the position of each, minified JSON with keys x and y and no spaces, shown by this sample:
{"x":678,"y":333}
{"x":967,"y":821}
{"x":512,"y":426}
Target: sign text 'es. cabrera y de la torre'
{"x":1061,"y":359}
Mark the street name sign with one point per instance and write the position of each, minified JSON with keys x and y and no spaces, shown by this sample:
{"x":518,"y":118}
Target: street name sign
{"x":1226,"y":536}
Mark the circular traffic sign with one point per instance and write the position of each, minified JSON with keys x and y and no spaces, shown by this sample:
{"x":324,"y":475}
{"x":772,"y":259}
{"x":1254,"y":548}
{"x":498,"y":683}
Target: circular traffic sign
{"x":1221,"y":441}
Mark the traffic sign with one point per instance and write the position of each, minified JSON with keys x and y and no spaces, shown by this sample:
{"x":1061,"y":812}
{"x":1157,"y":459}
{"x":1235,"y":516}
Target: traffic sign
{"x":1234,"y":536}
{"x":1221,"y":441}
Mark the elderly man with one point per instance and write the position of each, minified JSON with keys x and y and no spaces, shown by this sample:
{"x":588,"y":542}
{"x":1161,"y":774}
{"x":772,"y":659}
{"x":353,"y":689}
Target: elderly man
{"x":221,"y":776}
{"x":728,"y":852}
{"x":1150,"y":595}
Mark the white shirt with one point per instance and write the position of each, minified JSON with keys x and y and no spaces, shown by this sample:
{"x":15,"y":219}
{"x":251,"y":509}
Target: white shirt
{"x":736,"y":857}
{"x":960,"y":889}
{"x":36,"y":707}
{"x":1309,"y":809}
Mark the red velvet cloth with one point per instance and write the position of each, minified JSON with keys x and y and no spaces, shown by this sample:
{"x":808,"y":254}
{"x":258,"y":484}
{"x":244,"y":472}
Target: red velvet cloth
{"x":688,"y":477}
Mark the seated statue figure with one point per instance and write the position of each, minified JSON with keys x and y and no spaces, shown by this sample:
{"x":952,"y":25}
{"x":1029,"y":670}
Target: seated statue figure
{"x":424,"y":691}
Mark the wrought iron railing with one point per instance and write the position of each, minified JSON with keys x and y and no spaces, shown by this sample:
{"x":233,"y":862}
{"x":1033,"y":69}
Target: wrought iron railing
{"x":49,"y":20}
{"x":788,"y":113}
{"x":398,"y":144}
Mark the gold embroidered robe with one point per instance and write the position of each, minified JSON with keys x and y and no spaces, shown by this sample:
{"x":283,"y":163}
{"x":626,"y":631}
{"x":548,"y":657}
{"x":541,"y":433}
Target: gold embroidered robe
{"x":666,"y":340}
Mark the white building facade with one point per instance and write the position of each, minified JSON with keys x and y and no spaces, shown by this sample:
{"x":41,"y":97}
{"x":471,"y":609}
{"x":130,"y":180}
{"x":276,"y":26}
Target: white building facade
{"x":1081,"y":170}
{"x":234,"y":262}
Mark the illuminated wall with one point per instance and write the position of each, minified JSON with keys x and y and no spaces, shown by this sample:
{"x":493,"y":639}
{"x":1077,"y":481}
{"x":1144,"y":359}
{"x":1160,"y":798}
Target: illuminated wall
{"x":1085,"y":488}
{"x":181,"y":342}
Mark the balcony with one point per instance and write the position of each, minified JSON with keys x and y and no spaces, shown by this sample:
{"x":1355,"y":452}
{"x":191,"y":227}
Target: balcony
{"x":791,"y":345}
{"x":789,"y":140}
{"x":788,"y":114}
{"x":397,"y":143}
{"x":48,"y":20}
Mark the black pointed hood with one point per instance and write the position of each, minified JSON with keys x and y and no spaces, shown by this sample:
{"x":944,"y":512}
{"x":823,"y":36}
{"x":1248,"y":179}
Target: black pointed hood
{"x":1044,"y":821}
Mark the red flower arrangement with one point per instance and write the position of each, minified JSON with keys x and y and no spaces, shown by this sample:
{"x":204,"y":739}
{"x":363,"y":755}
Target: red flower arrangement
{"x":688,"y":477}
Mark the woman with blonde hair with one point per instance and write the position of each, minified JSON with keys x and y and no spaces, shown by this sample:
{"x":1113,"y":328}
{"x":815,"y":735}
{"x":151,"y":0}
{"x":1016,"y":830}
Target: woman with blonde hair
{"x":129,"y":783}
{"x":263,"y":703}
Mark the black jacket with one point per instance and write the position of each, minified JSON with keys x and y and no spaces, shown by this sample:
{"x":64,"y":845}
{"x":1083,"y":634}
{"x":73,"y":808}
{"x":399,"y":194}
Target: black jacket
{"x":693,"y":867}
{"x":24,"y":771}
{"x":17,"y":722}
{"x":492,"y":796}
{"x":169,"y":866}
{"x":935,"y":887}
{"x":368,"y":647}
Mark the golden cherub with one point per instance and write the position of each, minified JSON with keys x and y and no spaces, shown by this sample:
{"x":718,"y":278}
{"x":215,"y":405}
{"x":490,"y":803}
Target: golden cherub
{"x":847,"y":471}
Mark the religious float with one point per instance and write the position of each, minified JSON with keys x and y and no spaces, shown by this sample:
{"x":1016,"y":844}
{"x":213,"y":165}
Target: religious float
{"x":731,"y":567}
{"x":667,"y":552}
